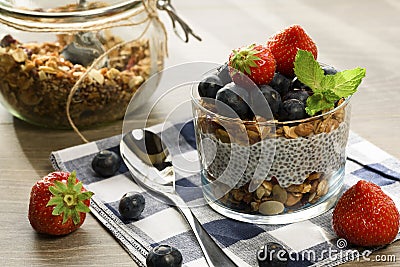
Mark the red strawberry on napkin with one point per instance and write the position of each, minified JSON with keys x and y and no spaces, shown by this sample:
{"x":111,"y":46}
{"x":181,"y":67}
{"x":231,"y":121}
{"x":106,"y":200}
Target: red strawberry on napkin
{"x":285,"y":44}
{"x":58,"y":204}
{"x":366,"y":216}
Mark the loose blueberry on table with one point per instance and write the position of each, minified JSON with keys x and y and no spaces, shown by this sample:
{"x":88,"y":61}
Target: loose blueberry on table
{"x":106,"y":163}
{"x":164,"y":256}
{"x":131,"y":205}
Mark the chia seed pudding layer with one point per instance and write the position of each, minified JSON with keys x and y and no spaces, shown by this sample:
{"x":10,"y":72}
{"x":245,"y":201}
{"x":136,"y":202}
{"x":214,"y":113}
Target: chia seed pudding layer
{"x":292,"y":162}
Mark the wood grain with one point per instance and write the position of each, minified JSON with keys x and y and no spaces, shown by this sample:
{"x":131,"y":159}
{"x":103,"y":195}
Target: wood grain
{"x":348,"y":34}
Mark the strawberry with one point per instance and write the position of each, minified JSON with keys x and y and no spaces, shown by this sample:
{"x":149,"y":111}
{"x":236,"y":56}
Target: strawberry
{"x":58,"y":204}
{"x":284,"y":46}
{"x":366,"y":216}
{"x":256,"y":62}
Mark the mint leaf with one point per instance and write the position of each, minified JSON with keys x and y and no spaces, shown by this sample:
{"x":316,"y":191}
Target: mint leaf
{"x":318,"y":102}
{"x":327,"y":89}
{"x":328,"y":82}
{"x":307,"y":70}
{"x":330,"y":95}
{"x":347,"y":81}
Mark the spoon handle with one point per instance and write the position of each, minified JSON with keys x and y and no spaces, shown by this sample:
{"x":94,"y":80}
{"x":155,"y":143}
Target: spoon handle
{"x":217,"y":256}
{"x":213,"y":254}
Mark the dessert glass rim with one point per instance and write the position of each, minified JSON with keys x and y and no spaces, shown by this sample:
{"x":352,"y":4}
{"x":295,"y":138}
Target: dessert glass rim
{"x":268,"y":122}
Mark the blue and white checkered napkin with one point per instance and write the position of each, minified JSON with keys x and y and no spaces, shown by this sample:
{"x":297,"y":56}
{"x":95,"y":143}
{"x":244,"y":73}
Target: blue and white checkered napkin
{"x":313,"y":240}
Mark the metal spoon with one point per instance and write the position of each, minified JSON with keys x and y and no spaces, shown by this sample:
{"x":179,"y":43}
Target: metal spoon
{"x":150,"y":165}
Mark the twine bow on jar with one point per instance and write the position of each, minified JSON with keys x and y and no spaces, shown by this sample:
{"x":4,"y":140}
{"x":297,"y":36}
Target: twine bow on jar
{"x":166,"y":6}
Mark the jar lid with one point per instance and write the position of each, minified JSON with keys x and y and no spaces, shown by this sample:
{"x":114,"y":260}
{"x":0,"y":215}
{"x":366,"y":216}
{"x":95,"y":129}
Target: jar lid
{"x":67,"y":15}
{"x":65,"y":8}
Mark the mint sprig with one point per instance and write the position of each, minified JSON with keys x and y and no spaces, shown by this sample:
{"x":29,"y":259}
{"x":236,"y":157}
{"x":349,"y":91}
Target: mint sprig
{"x":327,"y":88}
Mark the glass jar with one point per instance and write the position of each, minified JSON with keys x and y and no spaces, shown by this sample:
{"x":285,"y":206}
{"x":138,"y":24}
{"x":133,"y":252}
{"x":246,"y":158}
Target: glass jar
{"x":268,"y":171}
{"x":63,"y":62}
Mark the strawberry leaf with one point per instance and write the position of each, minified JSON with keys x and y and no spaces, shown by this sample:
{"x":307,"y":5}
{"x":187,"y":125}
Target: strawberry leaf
{"x":82,"y":207}
{"x":55,"y":190}
{"x":78,"y":187}
{"x":66,"y":215}
{"x":76,"y":218}
{"x":58,"y":210}
{"x":85,"y":195}
{"x":60,"y":186}
{"x":244,"y":59}
{"x":71,"y":180}
{"x":56,"y":200}
{"x":247,"y":69}
{"x":68,"y":199}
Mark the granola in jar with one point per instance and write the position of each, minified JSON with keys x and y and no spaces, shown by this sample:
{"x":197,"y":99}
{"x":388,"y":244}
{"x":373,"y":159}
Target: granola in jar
{"x":51,"y":51}
{"x":35,"y":81}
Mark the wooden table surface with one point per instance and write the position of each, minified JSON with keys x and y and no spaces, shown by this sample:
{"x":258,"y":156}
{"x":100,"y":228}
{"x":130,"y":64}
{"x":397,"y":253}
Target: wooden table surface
{"x":348,"y":33}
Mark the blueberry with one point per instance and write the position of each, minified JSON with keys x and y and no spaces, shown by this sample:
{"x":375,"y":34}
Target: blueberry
{"x":280,"y":83}
{"x":292,"y":109}
{"x":209,"y":86}
{"x":164,"y":256}
{"x":272,"y":255}
{"x":273,"y":98}
{"x":329,"y":70}
{"x":106,"y":163}
{"x":297,"y":94}
{"x":131,"y":205}
{"x":223,"y":74}
{"x":296,"y":84}
{"x":235,"y":97}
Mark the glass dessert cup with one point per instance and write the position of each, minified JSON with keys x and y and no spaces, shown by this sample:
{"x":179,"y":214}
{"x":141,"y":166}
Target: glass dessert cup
{"x":49,"y":47}
{"x":270,"y":172}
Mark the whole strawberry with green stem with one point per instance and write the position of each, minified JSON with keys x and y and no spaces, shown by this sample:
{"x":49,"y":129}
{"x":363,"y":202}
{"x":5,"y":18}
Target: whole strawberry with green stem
{"x":58,"y":204}
{"x":285,"y":44}
{"x":255,"y":62}
{"x":366,"y":216}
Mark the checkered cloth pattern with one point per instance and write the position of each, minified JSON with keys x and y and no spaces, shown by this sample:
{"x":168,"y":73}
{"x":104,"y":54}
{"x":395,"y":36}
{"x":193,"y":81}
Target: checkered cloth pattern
{"x":311,"y":242}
